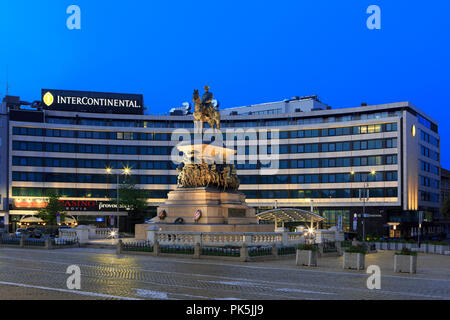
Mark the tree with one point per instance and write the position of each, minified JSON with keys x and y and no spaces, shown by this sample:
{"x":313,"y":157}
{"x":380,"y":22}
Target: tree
{"x":445,"y":209}
{"x":134,"y":200}
{"x":52,"y":210}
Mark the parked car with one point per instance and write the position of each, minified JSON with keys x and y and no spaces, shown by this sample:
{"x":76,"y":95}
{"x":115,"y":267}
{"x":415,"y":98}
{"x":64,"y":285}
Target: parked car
{"x":19,"y":232}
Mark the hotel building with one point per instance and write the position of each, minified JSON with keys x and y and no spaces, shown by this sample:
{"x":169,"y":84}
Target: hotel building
{"x":381,"y":159}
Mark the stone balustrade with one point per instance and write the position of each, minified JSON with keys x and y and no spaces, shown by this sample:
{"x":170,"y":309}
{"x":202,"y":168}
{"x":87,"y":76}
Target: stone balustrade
{"x":234,"y":238}
{"x":86,"y":233}
{"x":67,"y":233}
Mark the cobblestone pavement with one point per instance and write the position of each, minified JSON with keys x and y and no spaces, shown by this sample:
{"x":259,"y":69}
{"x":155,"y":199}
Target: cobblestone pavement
{"x":41,"y":274}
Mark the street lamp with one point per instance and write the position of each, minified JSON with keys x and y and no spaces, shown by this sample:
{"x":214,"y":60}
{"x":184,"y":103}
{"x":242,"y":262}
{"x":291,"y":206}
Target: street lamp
{"x":364,"y":198}
{"x":125,"y":171}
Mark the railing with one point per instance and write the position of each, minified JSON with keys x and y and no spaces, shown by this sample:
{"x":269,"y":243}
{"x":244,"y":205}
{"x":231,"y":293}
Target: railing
{"x":283,"y":251}
{"x":138,"y":246}
{"x":11,"y":240}
{"x":223,"y":252}
{"x":67,"y":233}
{"x":102,"y":233}
{"x":34,"y":242}
{"x":176,"y":237}
{"x":227,"y":238}
{"x":259,"y":251}
{"x":62,"y":242}
{"x":177,"y":249}
{"x":329,"y":247}
{"x":325,"y":236}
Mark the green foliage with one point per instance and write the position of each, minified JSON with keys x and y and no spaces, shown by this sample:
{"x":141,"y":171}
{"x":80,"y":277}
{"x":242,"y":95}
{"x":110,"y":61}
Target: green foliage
{"x":132,"y":198}
{"x":445,"y":208}
{"x":437,"y":243}
{"x":346,"y":244}
{"x":406,"y":252}
{"x":307,"y":247}
{"x":50,"y":212}
{"x":357,"y":249}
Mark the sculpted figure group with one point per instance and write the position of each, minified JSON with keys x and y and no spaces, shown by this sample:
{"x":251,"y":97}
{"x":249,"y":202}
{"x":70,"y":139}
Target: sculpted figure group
{"x":204,"y":175}
{"x":205,"y":111}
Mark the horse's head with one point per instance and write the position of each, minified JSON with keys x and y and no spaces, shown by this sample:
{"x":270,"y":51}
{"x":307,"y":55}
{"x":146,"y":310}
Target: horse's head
{"x":196,"y":94}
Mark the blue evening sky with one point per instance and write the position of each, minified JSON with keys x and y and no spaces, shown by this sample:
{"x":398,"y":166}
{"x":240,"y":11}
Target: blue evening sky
{"x":248,"y":51}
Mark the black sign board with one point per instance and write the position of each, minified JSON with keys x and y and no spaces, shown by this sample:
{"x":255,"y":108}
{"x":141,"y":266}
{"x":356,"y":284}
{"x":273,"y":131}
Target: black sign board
{"x":96,"y":102}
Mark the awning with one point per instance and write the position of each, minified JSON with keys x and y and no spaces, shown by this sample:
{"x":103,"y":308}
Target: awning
{"x":289,"y":215}
{"x":31,"y":219}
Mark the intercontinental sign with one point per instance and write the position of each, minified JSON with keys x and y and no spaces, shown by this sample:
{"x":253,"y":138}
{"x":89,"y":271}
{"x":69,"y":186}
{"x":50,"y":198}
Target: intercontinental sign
{"x":98,"y":102}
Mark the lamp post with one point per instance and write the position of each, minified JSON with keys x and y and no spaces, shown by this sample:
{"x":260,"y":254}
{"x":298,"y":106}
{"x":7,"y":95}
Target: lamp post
{"x":364,"y":198}
{"x":125,"y":171}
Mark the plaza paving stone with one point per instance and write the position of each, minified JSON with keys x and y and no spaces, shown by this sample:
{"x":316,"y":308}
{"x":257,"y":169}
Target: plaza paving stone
{"x":41,"y":274}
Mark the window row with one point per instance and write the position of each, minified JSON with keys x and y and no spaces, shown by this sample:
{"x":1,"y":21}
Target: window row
{"x":319,"y":178}
{"x":172,"y":179}
{"x":429,"y":196}
{"x":164,"y":136}
{"x":226,"y":123}
{"x":429,"y":153}
{"x":88,"y":148}
{"x":319,"y":194}
{"x":429,"y":182}
{"x":339,"y":146}
{"x":92,"y":163}
{"x":89,"y":178}
{"x":79,"y":193}
{"x":428,"y":167}
{"x":250,"y":194}
{"x":339,"y":162}
{"x":429,"y":138}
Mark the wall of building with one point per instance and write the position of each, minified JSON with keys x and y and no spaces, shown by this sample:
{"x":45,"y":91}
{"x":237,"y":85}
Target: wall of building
{"x":322,"y":157}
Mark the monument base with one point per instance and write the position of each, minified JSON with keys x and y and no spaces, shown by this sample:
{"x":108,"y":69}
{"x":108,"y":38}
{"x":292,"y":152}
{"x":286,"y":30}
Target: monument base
{"x":215,"y":207}
{"x":220,"y":211}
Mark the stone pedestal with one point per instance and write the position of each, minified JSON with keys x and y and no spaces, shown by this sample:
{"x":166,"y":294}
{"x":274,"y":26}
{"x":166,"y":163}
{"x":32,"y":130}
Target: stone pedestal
{"x":220,"y":212}
{"x":354,"y":261}
{"x":405,"y":263}
{"x":82,"y":234}
{"x":217,"y":207}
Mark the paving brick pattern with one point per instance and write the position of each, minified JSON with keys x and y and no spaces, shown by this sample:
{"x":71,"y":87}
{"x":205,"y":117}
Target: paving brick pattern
{"x":40,"y":274}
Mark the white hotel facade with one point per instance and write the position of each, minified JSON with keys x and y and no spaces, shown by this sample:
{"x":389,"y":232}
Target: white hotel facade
{"x":327,"y":157}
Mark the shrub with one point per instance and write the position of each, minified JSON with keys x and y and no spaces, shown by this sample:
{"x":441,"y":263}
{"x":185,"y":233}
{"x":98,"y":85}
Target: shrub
{"x":307,"y":247}
{"x":346,"y":244}
{"x":437,"y":243}
{"x":357,"y":249}
{"x":406,"y":252}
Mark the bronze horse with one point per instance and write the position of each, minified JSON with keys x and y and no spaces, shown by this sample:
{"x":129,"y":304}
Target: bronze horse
{"x":204,"y":113}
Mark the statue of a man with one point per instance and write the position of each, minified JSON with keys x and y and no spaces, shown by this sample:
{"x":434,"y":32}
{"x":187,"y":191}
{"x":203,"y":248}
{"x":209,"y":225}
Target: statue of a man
{"x":207,"y":97}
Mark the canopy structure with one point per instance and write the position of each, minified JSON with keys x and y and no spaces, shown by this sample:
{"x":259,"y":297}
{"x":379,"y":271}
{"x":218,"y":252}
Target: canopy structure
{"x":31,"y":219}
{"x":290,"y":215}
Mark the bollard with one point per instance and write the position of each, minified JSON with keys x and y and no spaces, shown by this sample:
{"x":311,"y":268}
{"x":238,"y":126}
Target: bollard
{"x":156,"y":248}
{"x":119,"y":247}
{"x":197,"y":251}
{"x":275,"y":250}
{"x":244,"y":253}
{"x":48,"y":244}
{"x":22,"y":241}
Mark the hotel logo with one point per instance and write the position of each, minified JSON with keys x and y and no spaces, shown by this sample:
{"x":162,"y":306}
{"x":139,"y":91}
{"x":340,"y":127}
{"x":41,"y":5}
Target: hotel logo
{"x":48,"y":99}
{"x":97,"y":102}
